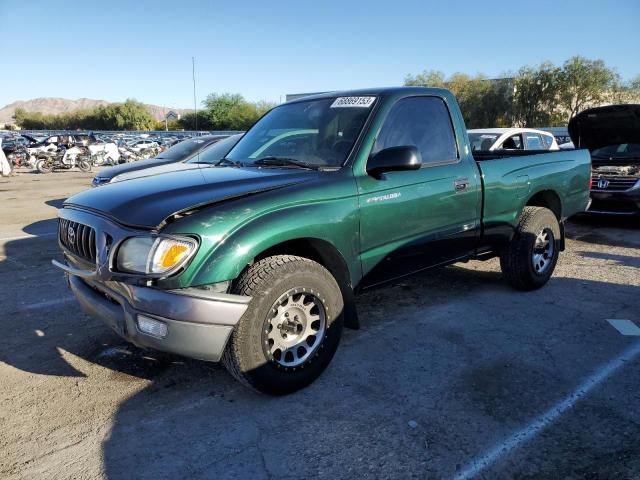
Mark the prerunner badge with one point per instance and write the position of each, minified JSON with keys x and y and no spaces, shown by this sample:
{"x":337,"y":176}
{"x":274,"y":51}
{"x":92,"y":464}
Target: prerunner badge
{"x":345,"y":102}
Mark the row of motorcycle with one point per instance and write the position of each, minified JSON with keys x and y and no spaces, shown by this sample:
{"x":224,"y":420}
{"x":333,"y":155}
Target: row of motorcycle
{"x":84,"y":157}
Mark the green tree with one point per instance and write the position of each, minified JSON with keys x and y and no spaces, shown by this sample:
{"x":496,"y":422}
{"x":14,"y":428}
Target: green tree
{"x":536,"y":95}
{"x":226,"y":111}
{"x":130,"y":115}
{"x":230,"y":111}
{"x":627,"y":92}
{"x":483,"y":102}
{"x":585,"y":83}
{"x":428,"y":78}
{"x":188,"y":121}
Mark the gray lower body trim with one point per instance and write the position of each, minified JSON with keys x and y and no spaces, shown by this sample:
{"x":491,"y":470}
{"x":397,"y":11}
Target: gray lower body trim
{"x":197,"y":326}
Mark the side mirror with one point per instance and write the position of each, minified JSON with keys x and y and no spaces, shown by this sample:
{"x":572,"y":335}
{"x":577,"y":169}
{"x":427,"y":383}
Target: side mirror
{"x":394,"y":159}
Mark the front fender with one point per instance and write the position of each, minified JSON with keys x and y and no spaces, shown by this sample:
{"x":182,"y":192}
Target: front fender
{"x":222,"y":258}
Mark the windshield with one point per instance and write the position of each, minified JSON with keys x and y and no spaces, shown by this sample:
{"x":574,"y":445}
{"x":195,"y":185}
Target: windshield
{"x":215,"y":152}
{"x":622,"y":150}
{"x":482,"y":141}
{"x":320,"y":133}
{"x":183,"y":150}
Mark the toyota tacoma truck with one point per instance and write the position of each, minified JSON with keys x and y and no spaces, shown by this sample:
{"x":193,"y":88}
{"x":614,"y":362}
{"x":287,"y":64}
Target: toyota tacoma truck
{"x":255,"y":259}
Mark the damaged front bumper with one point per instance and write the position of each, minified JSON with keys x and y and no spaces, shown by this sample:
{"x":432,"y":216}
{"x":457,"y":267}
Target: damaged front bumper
{"x":196,"y":324}
{"x":188,"y":321}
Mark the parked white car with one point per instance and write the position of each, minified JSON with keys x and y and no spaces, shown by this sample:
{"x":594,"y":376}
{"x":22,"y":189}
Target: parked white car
{"x":139,"y":145}
{"x":487,"y":139}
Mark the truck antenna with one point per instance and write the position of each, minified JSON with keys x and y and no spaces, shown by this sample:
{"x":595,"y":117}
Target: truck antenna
{"x":195,"y":104}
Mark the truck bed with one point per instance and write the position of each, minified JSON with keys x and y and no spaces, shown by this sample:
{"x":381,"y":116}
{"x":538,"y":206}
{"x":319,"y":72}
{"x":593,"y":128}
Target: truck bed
{"x":482,"y":155}
{"x":520,"y":175}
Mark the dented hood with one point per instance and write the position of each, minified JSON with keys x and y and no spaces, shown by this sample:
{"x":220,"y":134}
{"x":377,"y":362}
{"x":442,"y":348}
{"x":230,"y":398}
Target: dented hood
{"x":598,"y":127}
{"x":147,"y":202}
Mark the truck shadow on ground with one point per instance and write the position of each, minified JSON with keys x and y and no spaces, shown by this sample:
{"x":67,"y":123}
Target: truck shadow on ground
{"x":589,"y":229}
{"x":626,"y":260}
{"x":195,"y":421}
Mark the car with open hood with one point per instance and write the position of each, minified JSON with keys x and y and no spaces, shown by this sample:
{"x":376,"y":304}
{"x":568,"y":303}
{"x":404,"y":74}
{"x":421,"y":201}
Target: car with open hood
{"x":255,"y":259}
{"x":612,"y":135}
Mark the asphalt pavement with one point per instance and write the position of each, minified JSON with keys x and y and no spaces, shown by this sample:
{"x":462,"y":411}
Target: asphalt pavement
{"x":452,"y":375}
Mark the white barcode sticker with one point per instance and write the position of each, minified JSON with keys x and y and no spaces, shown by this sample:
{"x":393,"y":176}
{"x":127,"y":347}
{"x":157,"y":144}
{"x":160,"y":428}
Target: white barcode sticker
{"x":346,"y":102}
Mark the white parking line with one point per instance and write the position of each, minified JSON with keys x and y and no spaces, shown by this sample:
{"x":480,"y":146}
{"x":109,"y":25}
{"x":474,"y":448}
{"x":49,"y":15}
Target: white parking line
{"x":22,"y":237}
{"x":625,"y":327}
{"x":46,"y":303}
{"x":525,"y":434}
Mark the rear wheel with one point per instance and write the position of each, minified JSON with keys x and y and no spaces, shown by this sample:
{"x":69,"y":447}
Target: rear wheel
{"x":531,"y":257}
{"x":292,"y":327}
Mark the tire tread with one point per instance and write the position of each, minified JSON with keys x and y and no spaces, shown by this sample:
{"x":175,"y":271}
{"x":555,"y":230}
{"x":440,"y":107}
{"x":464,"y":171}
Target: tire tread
{"x":251,"y":281}
{"x":513,"y":258}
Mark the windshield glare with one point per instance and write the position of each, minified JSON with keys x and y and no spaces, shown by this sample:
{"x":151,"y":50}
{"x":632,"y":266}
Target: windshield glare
{"x":183,"y":149}
{"x":215,"y":152}
{"x":619,"y":150}
{"x":317,"y":132}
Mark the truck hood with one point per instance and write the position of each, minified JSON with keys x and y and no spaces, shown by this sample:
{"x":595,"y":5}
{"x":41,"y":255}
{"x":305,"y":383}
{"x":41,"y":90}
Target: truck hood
{"x":598,"y":127}
{"x":146,"y":202}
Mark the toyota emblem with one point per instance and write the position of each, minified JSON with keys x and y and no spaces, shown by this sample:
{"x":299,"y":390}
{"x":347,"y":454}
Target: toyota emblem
{"x":602,"y":184}
{"x":71,"y":234}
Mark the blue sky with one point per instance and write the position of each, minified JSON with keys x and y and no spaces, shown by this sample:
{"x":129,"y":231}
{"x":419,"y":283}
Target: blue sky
{"x":266,"y":49}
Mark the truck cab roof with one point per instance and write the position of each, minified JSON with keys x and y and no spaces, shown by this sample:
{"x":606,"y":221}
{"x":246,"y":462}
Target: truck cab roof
{"x":378,"y":92}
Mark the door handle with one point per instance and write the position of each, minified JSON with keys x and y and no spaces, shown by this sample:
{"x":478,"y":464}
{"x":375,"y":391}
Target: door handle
{"x":461,"y":184}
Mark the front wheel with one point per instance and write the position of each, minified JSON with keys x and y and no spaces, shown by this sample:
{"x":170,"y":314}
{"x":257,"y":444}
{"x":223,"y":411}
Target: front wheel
{"x":291,"y":328}
{"x":531,"y":257}
{"x":84,"y":164}
{"x":43,"y":165}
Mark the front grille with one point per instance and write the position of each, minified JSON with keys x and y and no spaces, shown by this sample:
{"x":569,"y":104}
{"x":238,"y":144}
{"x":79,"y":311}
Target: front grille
{"x":612,"y":184}
{"x":79,"y":239}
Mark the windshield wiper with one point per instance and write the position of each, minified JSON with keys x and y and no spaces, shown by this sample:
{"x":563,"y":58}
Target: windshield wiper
{"x":223,"y":162}
{"x":284,"y":162}
{"x":228,"y":162}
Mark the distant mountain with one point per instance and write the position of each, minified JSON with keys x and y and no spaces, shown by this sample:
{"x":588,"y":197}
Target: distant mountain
{"x":52,"y":105}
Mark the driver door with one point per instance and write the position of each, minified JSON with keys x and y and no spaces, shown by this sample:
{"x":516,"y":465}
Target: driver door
{"x":411,"y":220}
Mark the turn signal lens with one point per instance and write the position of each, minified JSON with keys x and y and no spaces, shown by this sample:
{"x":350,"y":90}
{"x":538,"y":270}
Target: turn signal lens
{"x":154,"y":255}
{"x":171,"y":255}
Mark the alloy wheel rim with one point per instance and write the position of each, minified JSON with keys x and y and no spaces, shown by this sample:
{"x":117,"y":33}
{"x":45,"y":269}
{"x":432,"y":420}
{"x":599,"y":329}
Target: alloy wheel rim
{"x":543,"y":251}
{"x":294,"y":328}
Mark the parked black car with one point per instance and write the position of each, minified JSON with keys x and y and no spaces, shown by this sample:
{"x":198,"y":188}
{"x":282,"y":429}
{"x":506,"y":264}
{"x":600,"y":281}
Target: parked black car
{"x":10,"y":144}
{"x":612,"y":135}
{"x":213,"y":146}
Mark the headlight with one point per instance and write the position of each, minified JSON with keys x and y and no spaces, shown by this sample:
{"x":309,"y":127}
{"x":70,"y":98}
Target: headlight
{"x":99,"y":181}
{"x":154,"y":255}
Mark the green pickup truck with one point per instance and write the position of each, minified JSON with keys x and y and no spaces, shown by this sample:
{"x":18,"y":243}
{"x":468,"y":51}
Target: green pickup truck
{"x":255,"y":259}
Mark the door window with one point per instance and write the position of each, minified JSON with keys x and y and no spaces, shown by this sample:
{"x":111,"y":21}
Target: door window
{"x":423,"y":122}
{"x":534,"y":142}
{"x":514,"y":142}
{"x":547,"y":140}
